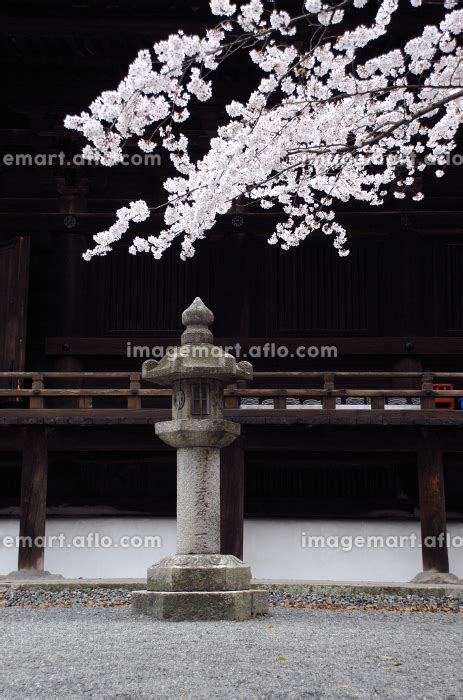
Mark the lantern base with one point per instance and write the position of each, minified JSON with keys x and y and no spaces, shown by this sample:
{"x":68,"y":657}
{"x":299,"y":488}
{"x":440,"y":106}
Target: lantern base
{"x":200,"y":605}
{"x":197,"y":432}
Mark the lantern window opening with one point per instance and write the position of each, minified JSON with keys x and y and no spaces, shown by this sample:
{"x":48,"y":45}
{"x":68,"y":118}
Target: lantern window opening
{"x":200,"y":399}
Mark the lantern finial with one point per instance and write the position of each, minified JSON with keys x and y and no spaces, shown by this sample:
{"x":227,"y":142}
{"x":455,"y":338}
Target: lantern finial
{"x":197,"y":318}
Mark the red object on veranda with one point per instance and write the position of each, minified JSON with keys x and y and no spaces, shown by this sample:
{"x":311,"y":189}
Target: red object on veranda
{"x":440,"y":401}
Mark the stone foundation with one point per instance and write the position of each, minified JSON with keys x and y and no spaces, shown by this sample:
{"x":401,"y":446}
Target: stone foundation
{"x":200,"y":605}
{"x":433,"y":576}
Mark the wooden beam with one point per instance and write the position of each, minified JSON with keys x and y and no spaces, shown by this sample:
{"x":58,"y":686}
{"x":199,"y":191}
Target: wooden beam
{"x":361,"y":345}
{"x":248,"y":416}
{"x":33,"y":503}
{"x":232,"y":499}
{"x":432,"y":504}
{"x":438,"y":222}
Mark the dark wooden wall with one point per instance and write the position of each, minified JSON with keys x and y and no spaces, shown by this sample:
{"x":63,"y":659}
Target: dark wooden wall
{"x":257,"y":290}
{"x":291,"y":485}
{"x":316,"y":292}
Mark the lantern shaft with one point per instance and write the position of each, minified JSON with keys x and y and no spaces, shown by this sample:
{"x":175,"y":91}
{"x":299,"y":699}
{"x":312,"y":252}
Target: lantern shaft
{"x":198,"y":500}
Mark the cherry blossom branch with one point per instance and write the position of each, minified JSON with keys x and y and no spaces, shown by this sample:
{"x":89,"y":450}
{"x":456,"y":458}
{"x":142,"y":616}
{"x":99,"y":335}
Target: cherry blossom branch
{"x":393,"y":109}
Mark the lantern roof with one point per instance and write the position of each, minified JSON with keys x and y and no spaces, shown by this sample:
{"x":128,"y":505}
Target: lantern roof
{"x":197,"y":357}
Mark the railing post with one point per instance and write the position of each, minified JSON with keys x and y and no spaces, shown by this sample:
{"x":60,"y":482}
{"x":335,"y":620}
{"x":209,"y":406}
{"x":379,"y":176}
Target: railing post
{"x":426,"y":385}
{"x":85,"y":402}
{"x":36,"y":401}
{"x":32,"y":518}
{"x":233,"y":401}
{"x":328,"y":401}
{"x":377,"y":403}
{"x":134,"y":401}
{"x":279,"y":402}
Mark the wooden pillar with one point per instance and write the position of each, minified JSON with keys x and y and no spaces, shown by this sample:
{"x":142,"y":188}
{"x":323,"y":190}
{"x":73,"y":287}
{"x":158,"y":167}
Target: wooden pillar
{"x":34,"y":476}
{"x":232,"y":499}
{"x":407,"y":364}
{"x":69,"y":284}
{"x":14,"y":283}
{"x":432,"y":504}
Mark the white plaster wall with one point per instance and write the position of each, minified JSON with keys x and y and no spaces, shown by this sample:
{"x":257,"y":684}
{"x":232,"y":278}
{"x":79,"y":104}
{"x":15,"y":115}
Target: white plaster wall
{"x":272,"y":547}
{"x":274,"y":550}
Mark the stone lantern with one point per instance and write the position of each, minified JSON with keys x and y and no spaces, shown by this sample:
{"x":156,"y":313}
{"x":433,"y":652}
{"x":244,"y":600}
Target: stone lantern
{"x":198,"y":582}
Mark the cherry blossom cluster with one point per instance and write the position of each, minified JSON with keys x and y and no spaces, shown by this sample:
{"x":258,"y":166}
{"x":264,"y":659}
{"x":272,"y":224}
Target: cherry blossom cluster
{"x":321,"y":127}
{"x":137,"y":211}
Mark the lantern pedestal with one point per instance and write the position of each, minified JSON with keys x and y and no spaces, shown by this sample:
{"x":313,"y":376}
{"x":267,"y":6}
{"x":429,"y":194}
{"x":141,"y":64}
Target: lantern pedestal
{"x":200,"y":587}
{"x":198,"y":583}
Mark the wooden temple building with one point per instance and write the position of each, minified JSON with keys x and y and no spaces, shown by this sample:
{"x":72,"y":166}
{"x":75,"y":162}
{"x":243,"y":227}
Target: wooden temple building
{"x":374,"y":432}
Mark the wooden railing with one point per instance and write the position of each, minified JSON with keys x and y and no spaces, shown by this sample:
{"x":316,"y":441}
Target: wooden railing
{"x":41,"y":390}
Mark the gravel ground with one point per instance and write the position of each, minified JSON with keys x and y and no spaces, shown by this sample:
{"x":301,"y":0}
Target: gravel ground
{"x":366,"y":601}
{"x":108,"y":653}
{"x":66,"y":598}
{"x":105,"y":597}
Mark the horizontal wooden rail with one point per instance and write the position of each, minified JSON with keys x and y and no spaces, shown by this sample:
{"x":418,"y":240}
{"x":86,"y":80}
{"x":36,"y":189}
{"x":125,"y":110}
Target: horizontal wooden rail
{"x":358,"y":393}
{"x":248,"y":393}
{"x":69,"y":375}
{"x":285,"y":376}
{"x":84,"y":392}
{"x":343,"y":375}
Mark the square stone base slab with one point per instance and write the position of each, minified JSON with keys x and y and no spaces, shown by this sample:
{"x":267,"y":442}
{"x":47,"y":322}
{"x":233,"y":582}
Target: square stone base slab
{"x":434,"y":576}
{"x":30,"y":574}
{"x":200,"y":605}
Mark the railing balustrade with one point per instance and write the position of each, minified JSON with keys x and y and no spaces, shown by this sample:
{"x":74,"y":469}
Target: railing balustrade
{"x":275,"y":390}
